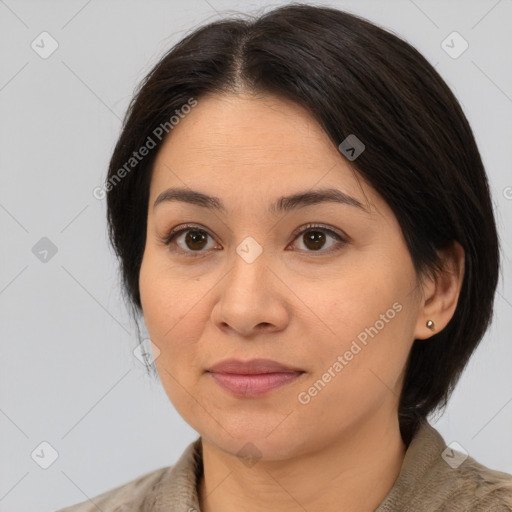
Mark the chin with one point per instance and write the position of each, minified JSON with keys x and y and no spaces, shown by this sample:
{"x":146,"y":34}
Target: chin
{"x":252,"y":443}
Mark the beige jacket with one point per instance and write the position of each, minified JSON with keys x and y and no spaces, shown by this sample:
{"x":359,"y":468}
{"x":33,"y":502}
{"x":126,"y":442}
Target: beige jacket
{"x":427,"y":483}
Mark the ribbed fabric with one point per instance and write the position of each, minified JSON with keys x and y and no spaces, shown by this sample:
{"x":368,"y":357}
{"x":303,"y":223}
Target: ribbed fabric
{"x":426,"y":483}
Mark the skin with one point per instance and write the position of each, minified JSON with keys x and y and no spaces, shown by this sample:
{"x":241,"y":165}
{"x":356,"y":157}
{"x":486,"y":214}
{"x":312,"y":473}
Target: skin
{"x":342,"y":450}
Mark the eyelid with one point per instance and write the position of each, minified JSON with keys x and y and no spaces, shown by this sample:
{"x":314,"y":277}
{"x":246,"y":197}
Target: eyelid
{"x":166,"y":239}
{"x":315,"y":225}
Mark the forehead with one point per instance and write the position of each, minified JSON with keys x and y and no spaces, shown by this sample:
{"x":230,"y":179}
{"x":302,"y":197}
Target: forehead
{"x":254,"y":145}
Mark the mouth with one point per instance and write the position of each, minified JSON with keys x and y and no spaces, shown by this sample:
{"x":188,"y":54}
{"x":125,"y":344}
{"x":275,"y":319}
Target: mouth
{"x":253,"y":378}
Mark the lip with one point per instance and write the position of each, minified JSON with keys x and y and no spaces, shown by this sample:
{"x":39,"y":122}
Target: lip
{"x":252,"y":367}
{"x":252,"y":378}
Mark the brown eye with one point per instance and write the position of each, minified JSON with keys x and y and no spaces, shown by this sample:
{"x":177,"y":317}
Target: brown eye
{"x":195,"y":239}
{"x":314,"y":239}
{"x":189,"y":239}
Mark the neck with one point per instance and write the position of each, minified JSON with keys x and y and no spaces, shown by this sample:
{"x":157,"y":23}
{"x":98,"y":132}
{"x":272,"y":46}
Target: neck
{"x":353,"y":474}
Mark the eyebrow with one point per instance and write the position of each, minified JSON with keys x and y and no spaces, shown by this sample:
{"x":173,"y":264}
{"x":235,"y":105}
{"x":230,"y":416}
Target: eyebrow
{"x":281,"y":205}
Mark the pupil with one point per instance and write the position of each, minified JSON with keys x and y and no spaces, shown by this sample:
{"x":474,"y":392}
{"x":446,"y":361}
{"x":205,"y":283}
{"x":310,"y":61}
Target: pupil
{"x":195,"y":237}
{"x":317,"y":238}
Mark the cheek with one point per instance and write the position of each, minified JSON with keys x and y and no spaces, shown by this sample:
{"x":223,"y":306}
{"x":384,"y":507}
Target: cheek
{"x":360,"y":368}
{"x":171,"y":314}
{"x":167,"y":300}
{"x":371,"y":318}
{"x":176,"y":310}
{"x":163,"y":316}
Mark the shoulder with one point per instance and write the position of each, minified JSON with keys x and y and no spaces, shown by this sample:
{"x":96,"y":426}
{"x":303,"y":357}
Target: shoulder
{"x":436,"y":478}
{"x":478,"y":487}
{"x":136,"y":495}
{"x":456,"y":481}
{"x":159,"y":491}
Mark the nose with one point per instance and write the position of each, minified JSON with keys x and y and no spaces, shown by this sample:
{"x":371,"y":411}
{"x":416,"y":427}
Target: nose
{"x":252,"y":298}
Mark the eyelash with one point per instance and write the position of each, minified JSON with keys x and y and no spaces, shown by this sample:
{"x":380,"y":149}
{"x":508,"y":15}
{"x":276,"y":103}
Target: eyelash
{"x":167,"y":239}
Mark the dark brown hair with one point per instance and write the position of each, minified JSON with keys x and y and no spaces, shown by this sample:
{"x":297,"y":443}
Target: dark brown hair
{"x":354,"y":78}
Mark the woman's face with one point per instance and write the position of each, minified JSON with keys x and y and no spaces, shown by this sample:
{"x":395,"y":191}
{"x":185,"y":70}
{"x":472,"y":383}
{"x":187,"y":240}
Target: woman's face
{"x":323,"y":287}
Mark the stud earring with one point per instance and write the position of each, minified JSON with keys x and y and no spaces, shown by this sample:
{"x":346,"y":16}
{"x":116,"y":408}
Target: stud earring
{"x":430,"y":324}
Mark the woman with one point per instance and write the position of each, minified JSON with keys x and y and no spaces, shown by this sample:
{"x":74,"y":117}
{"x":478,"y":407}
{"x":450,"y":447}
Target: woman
{"x":303,"y":219}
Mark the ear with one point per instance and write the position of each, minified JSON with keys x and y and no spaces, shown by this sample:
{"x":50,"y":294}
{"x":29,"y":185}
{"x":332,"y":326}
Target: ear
{"x":440,"y":295}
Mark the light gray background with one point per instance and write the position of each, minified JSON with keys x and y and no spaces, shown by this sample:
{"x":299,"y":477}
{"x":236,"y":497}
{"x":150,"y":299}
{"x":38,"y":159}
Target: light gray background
{"x":68,"y":375}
